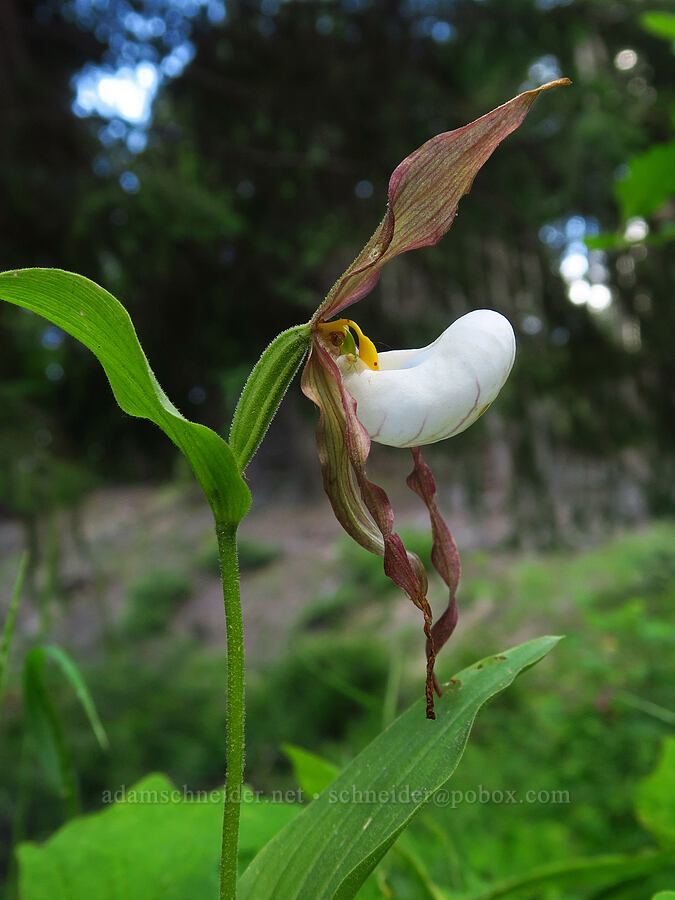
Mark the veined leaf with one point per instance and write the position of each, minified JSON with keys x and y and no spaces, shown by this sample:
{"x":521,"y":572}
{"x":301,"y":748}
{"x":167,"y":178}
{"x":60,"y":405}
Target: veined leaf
{"x":327,"y":852}
{"x":93,"y":316}
{"x":313,"y":774}
{"x":155,"y":841}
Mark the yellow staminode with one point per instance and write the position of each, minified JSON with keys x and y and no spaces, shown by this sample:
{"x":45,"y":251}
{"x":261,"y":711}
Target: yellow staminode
{"x":367,"y":351}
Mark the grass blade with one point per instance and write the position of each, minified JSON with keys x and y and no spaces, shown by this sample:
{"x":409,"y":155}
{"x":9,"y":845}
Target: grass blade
{"x":45,"y":728}
{"x":78,"y":684}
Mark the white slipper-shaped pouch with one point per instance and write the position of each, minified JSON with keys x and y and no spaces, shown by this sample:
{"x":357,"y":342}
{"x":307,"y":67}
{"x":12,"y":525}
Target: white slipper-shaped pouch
{"x":418,"y":397}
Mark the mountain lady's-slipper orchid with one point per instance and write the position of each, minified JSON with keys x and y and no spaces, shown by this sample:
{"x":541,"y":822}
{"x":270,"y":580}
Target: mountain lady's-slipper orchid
{"x":407,"y":398}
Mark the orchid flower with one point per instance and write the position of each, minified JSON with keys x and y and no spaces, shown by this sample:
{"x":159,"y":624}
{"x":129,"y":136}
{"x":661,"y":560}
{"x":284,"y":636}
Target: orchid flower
{"x":408,"y":398}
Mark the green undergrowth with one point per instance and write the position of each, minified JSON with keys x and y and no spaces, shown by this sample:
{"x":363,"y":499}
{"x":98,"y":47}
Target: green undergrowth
{"x":580,"y":731}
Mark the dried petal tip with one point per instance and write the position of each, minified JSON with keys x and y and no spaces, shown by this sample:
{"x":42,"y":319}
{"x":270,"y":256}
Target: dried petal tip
{"x":559,"y":82}
{"x":422,"y":396}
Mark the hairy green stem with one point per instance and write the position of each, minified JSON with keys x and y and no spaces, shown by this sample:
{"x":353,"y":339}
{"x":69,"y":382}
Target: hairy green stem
{"x":234,"y":728}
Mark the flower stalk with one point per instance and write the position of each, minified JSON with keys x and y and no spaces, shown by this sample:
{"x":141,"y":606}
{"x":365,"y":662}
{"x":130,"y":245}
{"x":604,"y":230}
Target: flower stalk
{"x":234,"y":728}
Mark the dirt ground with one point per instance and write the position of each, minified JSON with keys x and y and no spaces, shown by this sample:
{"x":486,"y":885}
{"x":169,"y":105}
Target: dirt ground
{"x":120,"y":534}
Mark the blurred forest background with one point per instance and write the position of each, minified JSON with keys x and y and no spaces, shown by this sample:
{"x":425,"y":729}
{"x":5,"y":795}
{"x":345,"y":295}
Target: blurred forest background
{"x":216,"y":166}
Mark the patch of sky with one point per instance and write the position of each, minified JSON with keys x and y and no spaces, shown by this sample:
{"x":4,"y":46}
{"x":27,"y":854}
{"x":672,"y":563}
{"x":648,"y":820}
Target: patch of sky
{"x":441,"y":31}
{"x":147,"y":43}
{"x":551,"y":4}
{"x":531,"y":325}
{"x":421,"y":7}
{"x":545,"y":68}
{"x":119,"y":94}
{"x":102,"y":166}
{"x":625,"y":59}
{"x":363,"y":189}
{"x":52,"y":338}
{"x":438,"y":30}
{"x":584,"y":271}
{"x":129,"y":182}
{"x":324,"y":25}
{"x":355,"y":6}
{"x":54,"y":371}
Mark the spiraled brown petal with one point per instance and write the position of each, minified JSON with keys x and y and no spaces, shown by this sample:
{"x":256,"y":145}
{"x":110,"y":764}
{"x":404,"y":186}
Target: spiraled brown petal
{"x":444,"y":555}
{"x":367,"y":516}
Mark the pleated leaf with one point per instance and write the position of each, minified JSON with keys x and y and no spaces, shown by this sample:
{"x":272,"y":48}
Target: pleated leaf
{"x":327,"y":852}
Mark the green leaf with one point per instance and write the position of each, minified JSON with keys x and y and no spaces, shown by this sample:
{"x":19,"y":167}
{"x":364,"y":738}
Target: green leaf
{"x":93,"y":316}
{"x":312,"y":773}
{"x":655,"y":797}
{"x":592,"y":871}
{"x":650,"y":182}
{"x":264,"y":391}
{"x":45,"y":729}
{"x":72,"y":673}
{"x":10,"y":621}
{"x":149,"y":845}
{"x":154,"y":842}
{"x":664,"y":895}
{"x":260,"y":821}
{"x":43,"y":721}
{"x":332,"y":846}
{"x":662,"y":24}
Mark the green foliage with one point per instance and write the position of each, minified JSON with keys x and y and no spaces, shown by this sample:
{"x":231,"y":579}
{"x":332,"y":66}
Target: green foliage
{"x":153,"y":599}
{"x":305,"y":860}
{"x":362,"y":582}
{"x":600,"y":728}
{"x":162,"y":708}
{"x":154,"y":841}
{"x":662,"y":24}
{"x":656,"y":797}
{"x":650,"y":182}
{"x":312,"y":773}
{"x":610,"y":869}
{"x":595,"y":735}
{"x":264,"y":391}
{"x":581,"y":874}
{"x":44,"y":724}
{"x":322,"y":691}
{"x":101,"y":323}
{"x":154,"y":838}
